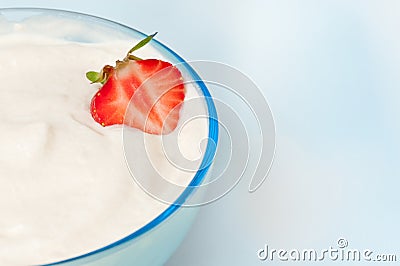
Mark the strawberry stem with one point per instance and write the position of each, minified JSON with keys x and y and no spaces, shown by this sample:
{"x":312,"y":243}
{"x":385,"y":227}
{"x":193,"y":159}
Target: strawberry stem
{"x":99,"y":77}
{"x":102,"y":76}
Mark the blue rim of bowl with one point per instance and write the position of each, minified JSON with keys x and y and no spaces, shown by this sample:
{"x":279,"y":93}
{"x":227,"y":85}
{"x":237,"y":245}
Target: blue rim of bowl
{"x":208,"y":155}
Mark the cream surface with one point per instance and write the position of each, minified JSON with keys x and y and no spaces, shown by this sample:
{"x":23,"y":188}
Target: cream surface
{"x":65,"y":188}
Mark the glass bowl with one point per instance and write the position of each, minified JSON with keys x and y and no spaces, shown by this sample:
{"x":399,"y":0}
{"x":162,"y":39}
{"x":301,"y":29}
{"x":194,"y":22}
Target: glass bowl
{"x":155,"y":242}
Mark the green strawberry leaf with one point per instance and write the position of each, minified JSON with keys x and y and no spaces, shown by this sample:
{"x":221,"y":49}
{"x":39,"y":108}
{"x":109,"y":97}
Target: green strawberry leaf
{"x":93,"y":76}
{"x":142,"y":43}
{"x":132,"y":57}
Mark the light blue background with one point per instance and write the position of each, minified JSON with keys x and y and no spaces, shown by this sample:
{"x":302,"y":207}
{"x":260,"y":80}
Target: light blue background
{"x":331,"y":73}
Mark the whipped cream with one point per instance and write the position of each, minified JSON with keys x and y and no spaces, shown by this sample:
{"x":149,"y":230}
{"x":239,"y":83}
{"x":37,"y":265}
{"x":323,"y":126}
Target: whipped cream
{"x":65,"y":188}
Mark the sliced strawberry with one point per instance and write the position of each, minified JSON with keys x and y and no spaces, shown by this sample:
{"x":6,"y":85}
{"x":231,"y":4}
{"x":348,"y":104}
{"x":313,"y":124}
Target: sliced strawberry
{"x":145,"y":94}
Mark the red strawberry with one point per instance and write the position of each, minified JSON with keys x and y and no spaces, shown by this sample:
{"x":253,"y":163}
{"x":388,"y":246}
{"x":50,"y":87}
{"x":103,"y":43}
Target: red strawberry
{"x":145,"y":94}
